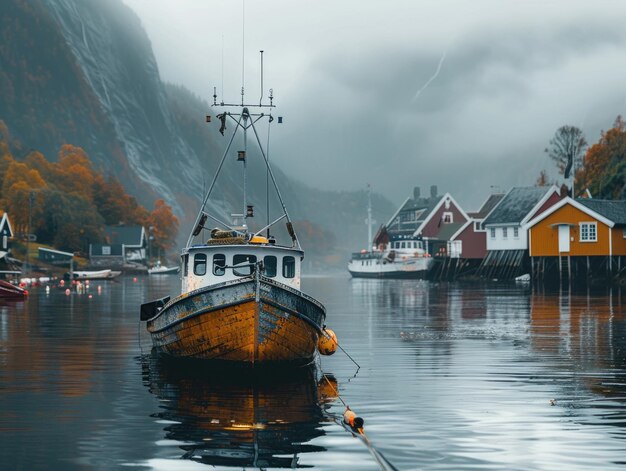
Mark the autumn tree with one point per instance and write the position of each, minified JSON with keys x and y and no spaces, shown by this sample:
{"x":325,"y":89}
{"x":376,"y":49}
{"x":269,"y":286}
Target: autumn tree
{"x":74,"y":172}
{"x":70,"y":221}
{"x":115,"y":205}
{"x":164,"y":226}
{"x":18,"y":183}
{"x":566,"y":149}
{"x":604,"y":171}
{"x":542,"y":180}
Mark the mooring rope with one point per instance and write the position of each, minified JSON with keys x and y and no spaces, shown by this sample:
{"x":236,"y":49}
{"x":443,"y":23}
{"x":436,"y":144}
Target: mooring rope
{"x":383,"y":462}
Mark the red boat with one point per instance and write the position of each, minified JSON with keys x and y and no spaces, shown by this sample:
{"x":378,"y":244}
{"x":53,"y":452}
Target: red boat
{"x":9,"y":291}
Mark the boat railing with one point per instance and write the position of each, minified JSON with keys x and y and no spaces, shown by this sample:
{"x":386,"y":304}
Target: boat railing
{"x":366,"y":255}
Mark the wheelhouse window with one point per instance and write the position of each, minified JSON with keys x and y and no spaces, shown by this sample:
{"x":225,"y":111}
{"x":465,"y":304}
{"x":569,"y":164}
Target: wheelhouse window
{"x":247,"y":261}
{"x":289,"y":267}
{"x":199,"y":264}
{"x":269,"y":262}
{"x":219,"y":264}
{"x":588,"y":232}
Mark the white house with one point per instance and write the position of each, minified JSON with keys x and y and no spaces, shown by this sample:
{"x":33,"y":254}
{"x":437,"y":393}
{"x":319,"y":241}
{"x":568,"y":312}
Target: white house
{"x":504,"y":225}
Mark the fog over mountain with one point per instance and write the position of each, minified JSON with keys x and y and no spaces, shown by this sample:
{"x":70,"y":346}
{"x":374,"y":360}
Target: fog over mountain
{"x":465,"y":95}
{"x":83,"y":73}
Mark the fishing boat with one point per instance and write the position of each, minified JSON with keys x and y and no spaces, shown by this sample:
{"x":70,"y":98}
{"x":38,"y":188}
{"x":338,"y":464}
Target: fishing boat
{"x":240,"y":299}
{"x":159,"y":269}
{"x":400,"y":258}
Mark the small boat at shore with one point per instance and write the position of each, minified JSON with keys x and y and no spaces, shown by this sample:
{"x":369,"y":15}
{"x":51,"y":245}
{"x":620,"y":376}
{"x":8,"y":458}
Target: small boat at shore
{"x":93,"y":275}
{"x":159,"y":269}
{"x":240,"y":300}
{"x":11,"y":292}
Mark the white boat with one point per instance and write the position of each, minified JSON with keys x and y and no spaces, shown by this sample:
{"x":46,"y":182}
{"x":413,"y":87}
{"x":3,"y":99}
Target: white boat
{"x":400,"y":258}
{"x":93,"y":274}
{"x":240,"y":300}
{"x":159,"y":269}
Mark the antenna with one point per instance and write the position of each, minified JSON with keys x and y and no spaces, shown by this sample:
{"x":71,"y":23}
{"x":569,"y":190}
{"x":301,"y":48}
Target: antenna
{"x":243,"y":47}
{"x":261,"y":99}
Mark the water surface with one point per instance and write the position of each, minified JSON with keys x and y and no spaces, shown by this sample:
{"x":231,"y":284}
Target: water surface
{"x":452,"y":377}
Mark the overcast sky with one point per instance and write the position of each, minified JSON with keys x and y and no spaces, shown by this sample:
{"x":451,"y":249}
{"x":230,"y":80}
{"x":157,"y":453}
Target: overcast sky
{"x":464,"y":94}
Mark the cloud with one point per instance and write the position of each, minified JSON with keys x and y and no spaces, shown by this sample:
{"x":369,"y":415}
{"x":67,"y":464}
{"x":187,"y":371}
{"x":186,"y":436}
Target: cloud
{"x":492,"y":83}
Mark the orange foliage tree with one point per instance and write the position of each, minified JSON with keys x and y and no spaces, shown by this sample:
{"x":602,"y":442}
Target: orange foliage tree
{"x":163,"y":226}
{"x":604,"y":171}
{"x":71,"y":202}
{"x":18,"y":184}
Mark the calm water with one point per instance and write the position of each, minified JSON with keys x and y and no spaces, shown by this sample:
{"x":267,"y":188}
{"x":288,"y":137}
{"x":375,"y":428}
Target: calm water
{"x":452,"y":377}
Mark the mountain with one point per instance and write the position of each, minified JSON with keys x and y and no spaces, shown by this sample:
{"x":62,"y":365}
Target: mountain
{"x":83,"y":72}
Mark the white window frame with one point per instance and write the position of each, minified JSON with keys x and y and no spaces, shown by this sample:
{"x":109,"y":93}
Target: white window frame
{"x":504,"y":233}
{"x":492,"y":232}
{"x":446,"y":215}
{"x":584,"y":232}
{"x":516,"y":232}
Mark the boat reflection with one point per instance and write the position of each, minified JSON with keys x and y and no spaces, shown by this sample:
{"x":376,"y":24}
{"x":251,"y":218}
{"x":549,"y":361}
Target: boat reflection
{"x":241,"y":418}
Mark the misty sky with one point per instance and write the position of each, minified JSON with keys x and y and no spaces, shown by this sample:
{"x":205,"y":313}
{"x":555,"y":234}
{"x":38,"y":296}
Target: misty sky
{"x":464,"y":95}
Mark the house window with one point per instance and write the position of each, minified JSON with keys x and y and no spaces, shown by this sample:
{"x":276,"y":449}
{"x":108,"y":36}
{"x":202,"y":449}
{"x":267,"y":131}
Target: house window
{"x":516,"y":232}
{"x":106,"y":250}
{"x":588,"y":232}
{"x":504,"y":232}
{"x":448,"y":218}
{"x":246,"y":261}
{"x":289,"y":267}
{"x":269,"y":262}
{"x":493,"y":232}
{"x":219,"y":264}
{"x":477,"y":227}
{"x":199,"y":264}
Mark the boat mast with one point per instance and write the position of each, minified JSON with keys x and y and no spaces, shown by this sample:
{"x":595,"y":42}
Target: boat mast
{"x":369,"y":217}
{"x":243,"y":120}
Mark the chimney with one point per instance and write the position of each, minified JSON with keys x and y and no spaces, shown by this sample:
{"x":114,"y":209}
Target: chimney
{"x":433,"y":191}
{"x":416,"y":193}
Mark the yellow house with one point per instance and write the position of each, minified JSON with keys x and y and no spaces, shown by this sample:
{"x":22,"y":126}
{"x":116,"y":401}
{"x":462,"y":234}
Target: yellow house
{"x":580,"y":227}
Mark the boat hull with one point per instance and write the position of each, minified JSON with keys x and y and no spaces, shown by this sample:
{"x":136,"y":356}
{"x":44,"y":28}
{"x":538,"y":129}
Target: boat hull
{"x":416,"y":268}
{"x":247,"y":321}
{"x":397,"y":275}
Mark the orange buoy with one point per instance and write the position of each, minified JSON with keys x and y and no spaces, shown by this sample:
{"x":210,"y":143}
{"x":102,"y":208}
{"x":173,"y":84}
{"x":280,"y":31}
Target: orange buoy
{"x":351,"y":419}
{"x":327,"y":343}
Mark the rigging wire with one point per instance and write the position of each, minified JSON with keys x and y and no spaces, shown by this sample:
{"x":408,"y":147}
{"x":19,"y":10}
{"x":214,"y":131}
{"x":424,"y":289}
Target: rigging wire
{"x":267,"y":174}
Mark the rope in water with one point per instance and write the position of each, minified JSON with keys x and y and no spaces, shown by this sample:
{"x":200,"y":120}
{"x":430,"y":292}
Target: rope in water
{"x":383,"y":462}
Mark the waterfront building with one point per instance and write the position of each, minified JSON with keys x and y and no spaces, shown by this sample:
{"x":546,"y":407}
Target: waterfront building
{"x":6,"y":233}
{"x":578,"y":238}
{"x":507,"y":240}
{"x":122,"y":245}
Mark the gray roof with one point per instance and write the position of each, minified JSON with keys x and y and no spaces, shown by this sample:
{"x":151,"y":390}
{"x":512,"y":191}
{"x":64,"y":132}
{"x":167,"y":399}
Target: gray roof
{"x":615,"y":210}
{"x":516,"y":205}
{"x":123,"y":235}
{"x":486,"y":208}
{"x":426,"y":205}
